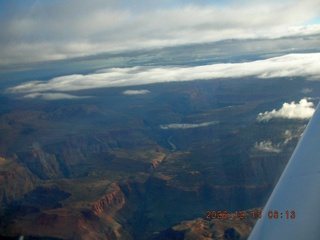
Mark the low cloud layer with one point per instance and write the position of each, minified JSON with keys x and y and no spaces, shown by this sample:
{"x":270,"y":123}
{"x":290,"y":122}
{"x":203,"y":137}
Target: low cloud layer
{"x":301,"y":110}
{"x":267,"y":146}
{"x":187,"y":125}
{"x":306,"y":65}
{"x":53,"y":96}
{"x":135,"y":92}
{"x":306,"y":90}
{"x":287,"y":137}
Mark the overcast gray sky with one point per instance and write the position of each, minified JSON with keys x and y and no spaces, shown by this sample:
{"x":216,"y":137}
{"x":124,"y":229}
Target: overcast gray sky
{"x":34,"y":30}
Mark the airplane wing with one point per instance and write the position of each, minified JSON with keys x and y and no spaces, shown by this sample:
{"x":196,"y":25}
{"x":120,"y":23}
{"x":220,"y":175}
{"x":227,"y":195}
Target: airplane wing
{"x":293,"y":209}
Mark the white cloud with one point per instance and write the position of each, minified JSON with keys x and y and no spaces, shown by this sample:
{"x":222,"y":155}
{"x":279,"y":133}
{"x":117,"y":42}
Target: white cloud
{"x":187,"y":125}
{"x":305,"y":30}
{"x":135,"y":92}
{"x":288,"y":137}
{"x":53,"y":96}
{"x":306,"y":65}
{"x":267,"y":146}
{"x":41,"y":30}
{"x":306,"y":90}
{"x":301,"y":110}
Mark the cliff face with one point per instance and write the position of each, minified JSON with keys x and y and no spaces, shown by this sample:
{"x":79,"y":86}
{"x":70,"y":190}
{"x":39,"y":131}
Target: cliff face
{"x":267,"y":167}
{"x":95,"y":222}
{"x":100,"y":221}
{"x":202,"y":229}
{"x":108,"y":171}
{"x":41,"y":164}
{"x":58,"y":160}
{"x":154,"y":192}
{"x":129,"y":210}
{"x":15,"y":181}
{"x":112,"y":201}
{"x":71,"y":157}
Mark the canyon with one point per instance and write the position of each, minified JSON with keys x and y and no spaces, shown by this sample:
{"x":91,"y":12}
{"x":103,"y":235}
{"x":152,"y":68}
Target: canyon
{"x":103,"y":168}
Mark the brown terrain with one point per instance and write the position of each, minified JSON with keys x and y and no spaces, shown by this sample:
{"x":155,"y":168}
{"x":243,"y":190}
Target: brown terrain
{"x":89,"y":171}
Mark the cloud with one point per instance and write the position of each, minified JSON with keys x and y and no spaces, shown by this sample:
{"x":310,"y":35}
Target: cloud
{"x":305,"y":30}
{"x":53,"y":96}
{"x":267,"y":146}
{"x":135,"y":92}
{"x":288,"y":137}
{"x":301,"y":110}
{"x":187,"y":125}
{"x":43,"y":30}
{"x":306,"y":90}
{"x":306,"y":65}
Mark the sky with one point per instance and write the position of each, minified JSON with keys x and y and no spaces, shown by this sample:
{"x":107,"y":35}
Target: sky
{"x":33,"y":31}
